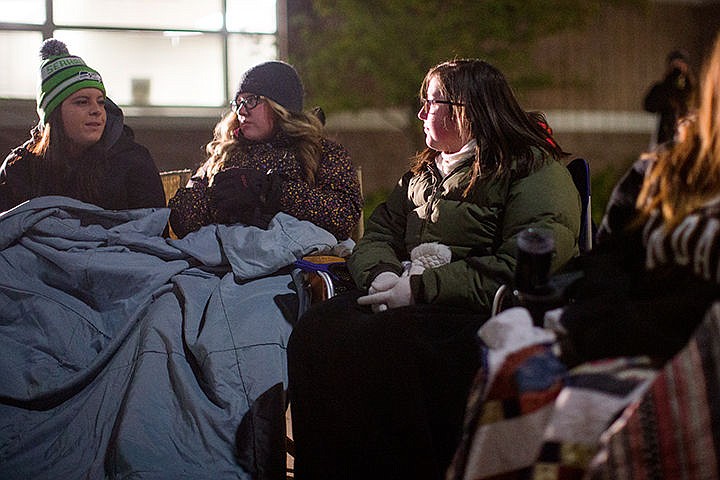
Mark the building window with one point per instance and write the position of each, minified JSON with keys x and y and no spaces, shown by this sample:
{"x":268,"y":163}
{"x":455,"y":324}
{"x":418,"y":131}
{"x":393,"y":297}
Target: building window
{"x":169,"y":53}
{"x":251,"y":16}
{"x":22,"y":11}
{"x":20,"y":63}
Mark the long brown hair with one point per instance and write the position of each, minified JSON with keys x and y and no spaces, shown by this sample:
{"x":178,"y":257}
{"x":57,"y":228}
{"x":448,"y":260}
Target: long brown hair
{"x":492,"y":115}
{"x":687,"y":174}
{"x":50,"y":167}
{"x":305,"y":130}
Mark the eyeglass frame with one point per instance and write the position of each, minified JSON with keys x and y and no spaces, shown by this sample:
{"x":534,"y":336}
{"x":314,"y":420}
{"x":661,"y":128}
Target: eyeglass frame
{"x":426,"y":103}
{"x":249,"y":102}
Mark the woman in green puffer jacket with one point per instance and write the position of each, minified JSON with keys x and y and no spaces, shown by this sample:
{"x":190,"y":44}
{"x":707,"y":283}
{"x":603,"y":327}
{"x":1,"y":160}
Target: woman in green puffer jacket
{"x":379,"y":377}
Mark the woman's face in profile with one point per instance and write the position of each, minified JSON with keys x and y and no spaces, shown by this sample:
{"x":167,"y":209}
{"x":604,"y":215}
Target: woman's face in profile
{"x":441,"y":130}
{"x":257,"y":123}
{"x":84,"y":117}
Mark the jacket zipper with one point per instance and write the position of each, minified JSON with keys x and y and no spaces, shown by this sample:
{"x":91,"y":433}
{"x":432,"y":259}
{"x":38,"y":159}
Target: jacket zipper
{"x":437,"y":180}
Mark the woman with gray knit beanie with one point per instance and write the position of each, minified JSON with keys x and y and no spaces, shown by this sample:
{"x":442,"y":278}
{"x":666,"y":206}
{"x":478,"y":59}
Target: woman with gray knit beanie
{"x":80,"y":148}
{"x":268,"y":155}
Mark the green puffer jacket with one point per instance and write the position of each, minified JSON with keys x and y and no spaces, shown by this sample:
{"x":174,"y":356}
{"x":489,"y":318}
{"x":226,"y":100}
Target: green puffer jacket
{"x":481,"y":231}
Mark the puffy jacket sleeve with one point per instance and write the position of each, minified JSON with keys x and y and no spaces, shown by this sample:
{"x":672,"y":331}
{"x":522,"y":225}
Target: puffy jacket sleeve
{"x":334,"y":202}
{"x":545,"y":199}
{"x":382,"y":246}
{"x":190,"y":207}
{"x":14,"y":181}
{"x":144,"y":186}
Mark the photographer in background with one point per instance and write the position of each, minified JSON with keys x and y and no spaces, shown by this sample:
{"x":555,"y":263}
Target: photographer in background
{"x":672,"y":97}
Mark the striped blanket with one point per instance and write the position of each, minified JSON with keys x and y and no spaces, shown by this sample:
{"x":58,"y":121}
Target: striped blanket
{"x":674,"y":430}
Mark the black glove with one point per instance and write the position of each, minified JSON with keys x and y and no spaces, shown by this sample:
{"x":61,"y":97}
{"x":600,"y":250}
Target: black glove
{"x":246,"y":195}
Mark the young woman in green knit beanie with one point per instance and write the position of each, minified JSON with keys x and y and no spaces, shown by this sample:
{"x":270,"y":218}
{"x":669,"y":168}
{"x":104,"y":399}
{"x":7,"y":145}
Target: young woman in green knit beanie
{"x":80,"y":147}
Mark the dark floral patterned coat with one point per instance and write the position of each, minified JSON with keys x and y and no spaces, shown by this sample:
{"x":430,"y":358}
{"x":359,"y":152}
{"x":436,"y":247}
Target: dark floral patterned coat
{"x":333,"y":203}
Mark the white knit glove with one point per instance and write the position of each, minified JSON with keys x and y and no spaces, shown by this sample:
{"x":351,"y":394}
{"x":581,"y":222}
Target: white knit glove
{"x":390,"y":291}
{"x":383,"y":282}
{"x":399,"y":295}
{"x":429,"y":255}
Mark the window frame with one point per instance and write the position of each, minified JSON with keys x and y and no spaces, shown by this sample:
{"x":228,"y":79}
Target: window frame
{"x":49,"y":27}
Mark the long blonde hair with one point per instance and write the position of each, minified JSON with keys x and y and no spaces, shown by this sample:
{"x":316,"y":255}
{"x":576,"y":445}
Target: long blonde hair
{"x":687,"y":175}
{"x":304,"y":130}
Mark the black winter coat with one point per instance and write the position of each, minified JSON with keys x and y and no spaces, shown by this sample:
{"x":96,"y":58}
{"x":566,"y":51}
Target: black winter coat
{"x":129,"y":178}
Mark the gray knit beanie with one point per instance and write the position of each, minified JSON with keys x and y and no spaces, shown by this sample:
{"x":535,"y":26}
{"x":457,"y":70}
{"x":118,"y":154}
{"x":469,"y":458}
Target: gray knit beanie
{"x":61,"y":75}
{"x":275,"y":80}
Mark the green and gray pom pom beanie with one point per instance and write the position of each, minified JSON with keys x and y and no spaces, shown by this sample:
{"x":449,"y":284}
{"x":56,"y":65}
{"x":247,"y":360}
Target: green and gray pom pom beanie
{"x":61,"y":75}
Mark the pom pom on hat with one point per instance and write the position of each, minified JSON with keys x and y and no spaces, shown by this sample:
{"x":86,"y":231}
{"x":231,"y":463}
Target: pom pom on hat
{"x":275,"y":80}
{"x":61,"y":75}
{"x":53,"y":48}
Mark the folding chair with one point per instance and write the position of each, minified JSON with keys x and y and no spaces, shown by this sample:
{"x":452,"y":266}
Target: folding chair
{"x":174,"y":179}
{"x":580,"y":171}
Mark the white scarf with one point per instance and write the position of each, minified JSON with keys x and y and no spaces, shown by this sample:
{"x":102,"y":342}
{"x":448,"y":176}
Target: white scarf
{"x":446,"y":162}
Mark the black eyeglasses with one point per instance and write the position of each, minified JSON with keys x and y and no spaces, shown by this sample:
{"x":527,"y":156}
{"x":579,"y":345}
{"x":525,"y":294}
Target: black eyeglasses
{"x":426,"y":103}
{"x":249,"y":102}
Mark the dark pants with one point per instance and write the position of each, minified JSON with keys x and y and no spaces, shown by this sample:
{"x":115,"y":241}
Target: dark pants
{"x":379,"y":396}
